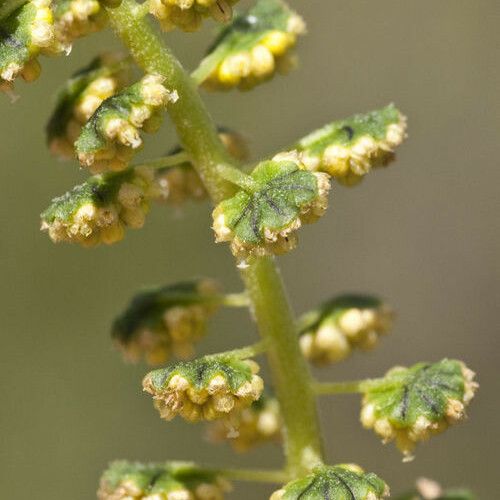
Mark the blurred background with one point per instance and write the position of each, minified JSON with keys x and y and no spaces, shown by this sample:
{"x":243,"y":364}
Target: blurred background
{"x":422,"y":233}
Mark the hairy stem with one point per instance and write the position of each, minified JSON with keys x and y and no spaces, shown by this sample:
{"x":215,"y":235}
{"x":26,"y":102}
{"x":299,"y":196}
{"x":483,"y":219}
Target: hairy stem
{"x":9,"y":6}
{"x":272,"y":311}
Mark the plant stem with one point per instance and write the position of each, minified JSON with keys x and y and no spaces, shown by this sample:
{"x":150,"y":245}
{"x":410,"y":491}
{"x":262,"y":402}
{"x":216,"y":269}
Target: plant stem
{"x":259,"y":476}
{"x":237,"y":177}
{"x":270,"y":305}
{"x":236,"y":300}
{"x":165,"y":161}
{"x":349,"y":387}
{"x":9,"y":6}
{"x":246,"y":352}
{"x":290,"y":373}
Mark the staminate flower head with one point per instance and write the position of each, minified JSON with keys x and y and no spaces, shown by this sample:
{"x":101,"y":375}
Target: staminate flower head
{"x":99,"y":210}
{"x":77,"y":18}
{"x":182,"y":182}
{"x":189,"y":14}
{"x":329,"y":333}
{"x":77,"y":101}
{"x":166,"y":320}
{"x":111,"y":136}
{"x":207,"y":388}
{"x":262,"y":219}
{"x":349,"y":149}
{"x":338,"y":482}
{"x":24,"y":34}
{"x":411,"y":404}
{"x":253,"y":47}
{"x":260,"y":423}
{"x":164,"y":481}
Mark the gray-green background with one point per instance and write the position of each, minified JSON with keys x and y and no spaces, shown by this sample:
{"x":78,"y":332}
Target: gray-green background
{"x":423,"y":234}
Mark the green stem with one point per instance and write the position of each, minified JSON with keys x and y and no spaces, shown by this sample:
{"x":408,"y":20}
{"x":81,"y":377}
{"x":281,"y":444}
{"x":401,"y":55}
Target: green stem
{"x":236,"y":300}
{"x":9,"y":6}
{"x":246,"y":352}
{"x":166,"y":161}
{"x":272,"y":311}
{"x":256,"y":476}
{"x":290,"y":373}
{"x":237,"y":177}
{"x":349,"y":387}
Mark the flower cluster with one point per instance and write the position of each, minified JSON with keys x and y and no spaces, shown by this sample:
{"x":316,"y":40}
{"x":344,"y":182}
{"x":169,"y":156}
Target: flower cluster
{"x":253,"y":47}
{"x":111,"y":136}
{"x":206,"y":388}
{"x":337,"y":482}
{"x":411,"y":404}
{"x":166,"y":320}
{"x":329,"y":333}
{"x":349,"y":149}
{"x":189,"y":14}
{"x":259,"y":423}
{"x":78,"y":18}
{"x":24,"y":34}
{"x":182,"y":182}
{"x":169,"y":481}
{"x":262,"y":219}
{"x":98,"y":210}
{"x":80,"y":97}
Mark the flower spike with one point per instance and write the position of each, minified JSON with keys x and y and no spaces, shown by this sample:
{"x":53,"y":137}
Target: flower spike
{"x":166,"y":320}
{"x":338,"y":482}
{"x":111,"y":136}
{"x":77,"y":101}
{"x":24,"y":34}
{"x":412,"y":404}
{"x":207,"y":388}
{"x":189,"y":14}
{"x":169,"y":481}
{"x":349,"y":149}
{"x":262,"y":219}
{"x":252,"y":48}
{"x":182,"y":182}
{"x":329,"y":333}
{"x":259,"y":423}
{"x":98,"y":210}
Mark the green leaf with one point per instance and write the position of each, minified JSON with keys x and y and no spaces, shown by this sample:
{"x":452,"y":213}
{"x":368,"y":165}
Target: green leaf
{"x":411,"y":404}
{"x":188,"y":16}
{"x":261,"y":219}
{"x":207,"y":388}
{"x":111,"y":136}
{"x":349,"y":149}
{"x":164,"y":320}
{"x":82,"y":94}
{"x":124,"y":480}
{"x":252,"y":48}
{"x":98,"y":210}
{"x":339,"y":482}
{"x":329,"y":333}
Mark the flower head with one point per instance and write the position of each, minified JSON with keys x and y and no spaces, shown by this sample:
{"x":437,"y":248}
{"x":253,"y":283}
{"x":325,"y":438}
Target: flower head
{"x":253,"y":47}
{"x":263,"y":220}
{"x":166,"y":320}
{"x":206,"y":388}
{"x":165,"y":481}
{"x":189,"y":14}
{"x":348,"y":149}
{"x":259,"y":423}
{"x":79,"y":99}
{"x":337,"y":482}
{"x":111,"y":136}
{"x":98,"y":210}
{"x":411,"y":404}
{"x":329,"y":333}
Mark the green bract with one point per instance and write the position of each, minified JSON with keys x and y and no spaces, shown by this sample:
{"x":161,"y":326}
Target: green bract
{"x":24,"y":34}
{"x":108,"y":140}
{"x":338,"y":482}
{"x":166,"y":320}
{"x":177,"y":481}
{"x":348,"y":149}
{"x":77,"y":101}
{"x":98,"y":210}
{"x":188,"y":14}
{"x":330,"y":332}
{"x":411,"y":404}
{"x":205,"y":388}
{"x":262,"y":218}
{"x":260,"y":423}
{"x":252,"y":48}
